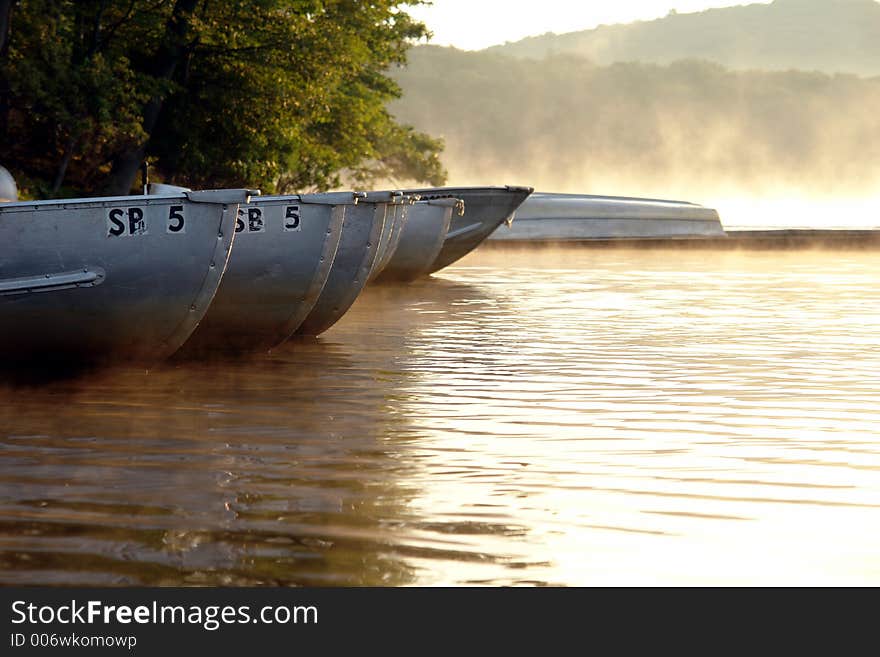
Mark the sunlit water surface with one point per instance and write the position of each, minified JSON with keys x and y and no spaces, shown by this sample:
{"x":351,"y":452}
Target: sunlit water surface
{"x":569,"y":416}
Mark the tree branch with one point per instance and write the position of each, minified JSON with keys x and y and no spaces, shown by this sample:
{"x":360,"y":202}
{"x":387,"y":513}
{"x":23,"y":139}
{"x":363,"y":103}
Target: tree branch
{"x":110,"y":31}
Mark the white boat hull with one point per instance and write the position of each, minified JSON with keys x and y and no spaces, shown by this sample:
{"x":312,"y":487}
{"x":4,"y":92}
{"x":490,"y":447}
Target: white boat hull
{"x":571,"y":217}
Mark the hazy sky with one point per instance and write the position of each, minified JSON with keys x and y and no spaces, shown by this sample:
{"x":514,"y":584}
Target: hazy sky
{"x":475,"y":24}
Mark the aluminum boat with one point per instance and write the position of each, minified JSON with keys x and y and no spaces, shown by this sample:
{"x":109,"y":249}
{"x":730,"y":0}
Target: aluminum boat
{"x":355,"y":258}
{"x":485,"y":208}
{"x":421,"y":239}
{"x":117,"y":278}
{"x":546,"y":217}
{"x":284,"y":252}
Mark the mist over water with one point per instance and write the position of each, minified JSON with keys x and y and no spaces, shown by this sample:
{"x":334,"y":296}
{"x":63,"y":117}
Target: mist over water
{"x":739,"y":206}
{"x":563,"y":416}
{"x":766,"y":148}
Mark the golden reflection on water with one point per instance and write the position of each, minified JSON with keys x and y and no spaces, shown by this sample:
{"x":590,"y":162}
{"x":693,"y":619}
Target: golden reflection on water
{"x":529,"y":416}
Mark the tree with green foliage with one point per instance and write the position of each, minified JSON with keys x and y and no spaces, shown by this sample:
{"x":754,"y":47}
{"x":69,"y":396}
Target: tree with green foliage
{"x":283,"y":95}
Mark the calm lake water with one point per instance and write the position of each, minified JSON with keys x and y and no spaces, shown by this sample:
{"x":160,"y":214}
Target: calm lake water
{"x":571,"y":416}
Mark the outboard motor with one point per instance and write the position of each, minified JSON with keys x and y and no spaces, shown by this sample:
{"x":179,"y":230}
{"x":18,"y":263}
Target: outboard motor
{"x":8,"y":190}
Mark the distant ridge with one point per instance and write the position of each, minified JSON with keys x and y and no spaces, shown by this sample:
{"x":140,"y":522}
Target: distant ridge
{"x":643,"y":129}
{"x":823,"y":35}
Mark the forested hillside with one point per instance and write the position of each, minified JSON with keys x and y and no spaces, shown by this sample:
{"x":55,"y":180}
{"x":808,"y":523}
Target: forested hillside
{"x":565,"y":124}
{"x":823,"y":35}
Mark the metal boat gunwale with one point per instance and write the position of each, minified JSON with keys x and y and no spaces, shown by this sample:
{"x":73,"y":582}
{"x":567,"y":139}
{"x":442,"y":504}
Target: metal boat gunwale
{"x":431,"y":193}
{"x":573,"y":195}
{"x":316,"y":198}
{"x":194,"y":196}
{"x":614,"y":217}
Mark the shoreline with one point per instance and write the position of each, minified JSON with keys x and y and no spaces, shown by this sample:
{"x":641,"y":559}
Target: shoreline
{"x":781,"y":238}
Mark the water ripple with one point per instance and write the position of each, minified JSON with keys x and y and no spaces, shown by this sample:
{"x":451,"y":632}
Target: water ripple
{"x":527,"y":417}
